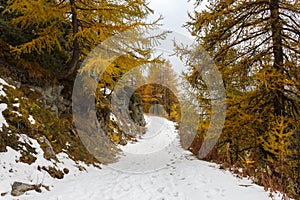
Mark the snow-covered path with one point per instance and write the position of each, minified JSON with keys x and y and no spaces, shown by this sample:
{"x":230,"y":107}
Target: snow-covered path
{"x":151,"y":169}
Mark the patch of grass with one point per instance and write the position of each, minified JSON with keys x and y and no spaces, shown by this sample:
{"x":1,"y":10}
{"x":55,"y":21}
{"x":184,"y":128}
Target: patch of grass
{"x":53,"y":172}
{"x":27,"y":157}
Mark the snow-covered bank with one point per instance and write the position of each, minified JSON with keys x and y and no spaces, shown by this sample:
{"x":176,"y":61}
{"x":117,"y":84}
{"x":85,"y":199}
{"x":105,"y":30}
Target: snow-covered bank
{"x":179,"y":176}
{"x":3,"y":106}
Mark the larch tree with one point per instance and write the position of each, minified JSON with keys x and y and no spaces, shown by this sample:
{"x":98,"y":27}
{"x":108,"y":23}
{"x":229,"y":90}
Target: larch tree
{"x":265,"y":34}
{"x":78,"y":29}
{"x":255,"y":45}
{"x":162,"y":89}
{"x":75,"y":26}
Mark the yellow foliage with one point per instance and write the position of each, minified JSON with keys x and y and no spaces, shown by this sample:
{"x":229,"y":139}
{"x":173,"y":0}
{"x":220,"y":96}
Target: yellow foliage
{"x":115,"y":138}
{"x":52,"y":26}
{"x":278,"y":140}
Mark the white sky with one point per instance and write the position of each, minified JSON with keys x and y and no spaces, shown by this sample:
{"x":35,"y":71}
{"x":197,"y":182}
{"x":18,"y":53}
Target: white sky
{"x":174,"y":13}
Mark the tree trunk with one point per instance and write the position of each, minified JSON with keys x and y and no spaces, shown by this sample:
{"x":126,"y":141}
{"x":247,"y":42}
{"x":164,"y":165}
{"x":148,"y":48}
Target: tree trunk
{"x":76,"y":51}
{"x":276,"y":28}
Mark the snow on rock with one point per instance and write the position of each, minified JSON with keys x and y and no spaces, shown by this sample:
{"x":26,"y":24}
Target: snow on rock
{"x":3,"y":106}
{"x":17,"y":113}
{"x":2,"y":93}
{"x":16,"y":105}
{"x":11,"y":170}
{"x":112,"y":117}
{"x":31,"y":120}
{"x":3,"y":82}
{"x":177,"y":174}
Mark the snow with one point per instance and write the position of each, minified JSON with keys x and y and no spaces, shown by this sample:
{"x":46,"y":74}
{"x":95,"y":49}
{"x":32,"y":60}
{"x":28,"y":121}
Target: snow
{"x":31,"y":120}
{"x":112,"y":117}
{"x":2,"y":93}
{"x":68,"y":144}
{"x":158,"y":137}
{"x":17,"y":113}
{"x":155,"y":167}
{"x":12,"y":170}
{"x":16,"y":105}
{"x":3,"y":106}
{"x":105,"y":91}
{"x":2,"y":82}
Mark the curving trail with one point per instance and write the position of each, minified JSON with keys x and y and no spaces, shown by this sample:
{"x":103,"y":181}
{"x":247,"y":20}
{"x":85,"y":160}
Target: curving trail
{"x":154,"y":169}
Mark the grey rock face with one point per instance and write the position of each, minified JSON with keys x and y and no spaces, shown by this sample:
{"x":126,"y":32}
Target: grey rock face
{"x":53,"y":100}
{"x":128,"y":109}
{"x":19,"y":188}
{"x":49,"y":152}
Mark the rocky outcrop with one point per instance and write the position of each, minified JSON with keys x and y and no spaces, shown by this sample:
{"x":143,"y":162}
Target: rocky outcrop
{"x":128,"y":108}
{"x":19,"y":188}
{"x":48,"y":150}
{"x":49,"y":95}
{"x":52,"y":99}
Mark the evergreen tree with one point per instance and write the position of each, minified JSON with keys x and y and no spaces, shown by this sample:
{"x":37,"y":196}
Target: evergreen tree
{"x":255,"y":45}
